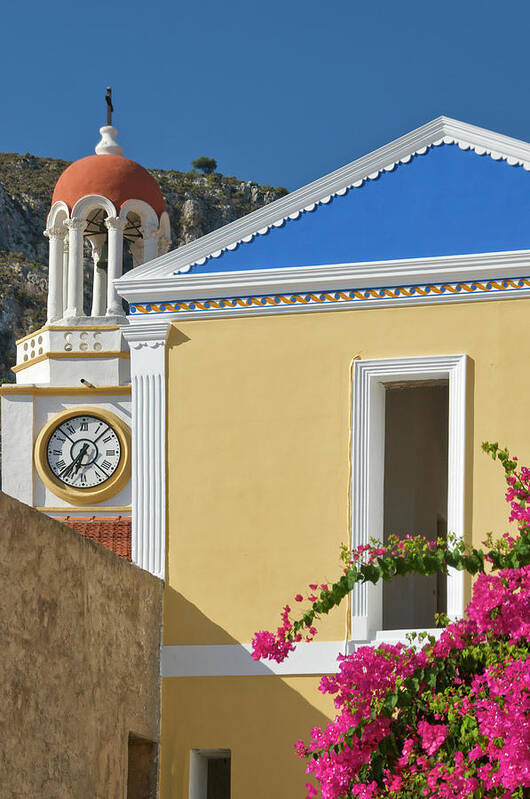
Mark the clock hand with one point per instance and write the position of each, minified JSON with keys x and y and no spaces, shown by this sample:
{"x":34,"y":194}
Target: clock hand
{"x":66,"y":471}
{"x":76,"y":462}
{"x":80,"y":457}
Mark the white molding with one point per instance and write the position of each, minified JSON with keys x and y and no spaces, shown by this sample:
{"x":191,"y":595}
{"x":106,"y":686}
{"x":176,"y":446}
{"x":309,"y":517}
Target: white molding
{"x":235,"y":660}
{"x":362,"y":276}
{"x":442,"y":130}
{"x":57,"y":214}
{"x":147,"y":331}
{"x":394,"y":637}
{"x":146,"y":213}
{"x":89,"y":202}
{"x":368,"y":468}
{"x":148,"y":382}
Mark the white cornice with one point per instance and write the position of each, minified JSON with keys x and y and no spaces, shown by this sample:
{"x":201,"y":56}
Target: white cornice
{"x":365,"y":274}
{"x":147,"y":333}
{"x":442,"y":130}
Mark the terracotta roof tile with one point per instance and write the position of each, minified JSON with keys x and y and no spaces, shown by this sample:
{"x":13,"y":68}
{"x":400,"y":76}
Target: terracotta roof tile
{"x":113,"y":532}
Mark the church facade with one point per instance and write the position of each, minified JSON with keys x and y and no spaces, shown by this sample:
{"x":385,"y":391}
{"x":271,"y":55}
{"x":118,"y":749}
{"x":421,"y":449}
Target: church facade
{"x":322,"y":371}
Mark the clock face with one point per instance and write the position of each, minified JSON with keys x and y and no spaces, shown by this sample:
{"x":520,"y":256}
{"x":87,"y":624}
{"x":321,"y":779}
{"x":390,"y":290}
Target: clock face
{"x":83,"y":451}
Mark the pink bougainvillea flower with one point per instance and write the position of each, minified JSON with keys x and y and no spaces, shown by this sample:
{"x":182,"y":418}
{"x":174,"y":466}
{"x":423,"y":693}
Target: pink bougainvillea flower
{"x":432,"y":736}
{"x":474,"y":681}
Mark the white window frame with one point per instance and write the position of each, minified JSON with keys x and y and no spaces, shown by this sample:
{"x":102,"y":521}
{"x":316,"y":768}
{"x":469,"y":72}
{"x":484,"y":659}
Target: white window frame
{"x":198,"y":787}
{"x":368,"y":459}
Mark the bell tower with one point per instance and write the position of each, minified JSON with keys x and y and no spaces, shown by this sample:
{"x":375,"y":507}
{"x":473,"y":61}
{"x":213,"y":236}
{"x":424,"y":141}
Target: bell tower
{"x":66,"y":421}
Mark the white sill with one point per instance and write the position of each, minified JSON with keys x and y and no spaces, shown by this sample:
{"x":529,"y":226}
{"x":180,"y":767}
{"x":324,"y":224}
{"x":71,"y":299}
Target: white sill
{"x":391,"y":637}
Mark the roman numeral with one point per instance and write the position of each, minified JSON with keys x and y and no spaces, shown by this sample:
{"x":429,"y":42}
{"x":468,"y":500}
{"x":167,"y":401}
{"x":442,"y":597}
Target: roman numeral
{"x":70,"y":428}
{"x":56,"y":451}
{"x":110,"y":452}
{"x":60,"y":464}
{"x":106,"y":465}
{"x":108,"y":438}
{"x":84,"y":426}
{"x":62,"y":440}
{"x":83,"y":479}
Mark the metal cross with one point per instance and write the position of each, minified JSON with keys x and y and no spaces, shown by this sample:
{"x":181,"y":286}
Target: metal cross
{"x":110,"y":107}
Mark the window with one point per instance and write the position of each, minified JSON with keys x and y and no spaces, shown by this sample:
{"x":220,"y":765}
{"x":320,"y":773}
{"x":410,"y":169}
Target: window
{"x":415,"y":492}
{"x":408,"y":448}
{"x":210,"y":774}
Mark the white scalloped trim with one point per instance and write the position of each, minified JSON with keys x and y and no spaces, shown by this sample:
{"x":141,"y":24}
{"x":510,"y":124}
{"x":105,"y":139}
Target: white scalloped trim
{"x":464,"y":145}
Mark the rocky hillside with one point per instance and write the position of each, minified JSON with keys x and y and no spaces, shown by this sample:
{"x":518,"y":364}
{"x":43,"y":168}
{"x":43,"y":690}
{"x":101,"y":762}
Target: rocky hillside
{"x":196,"y":205}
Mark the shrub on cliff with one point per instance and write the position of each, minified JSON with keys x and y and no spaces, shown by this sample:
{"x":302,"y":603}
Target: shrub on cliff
{"x":205,"y":164}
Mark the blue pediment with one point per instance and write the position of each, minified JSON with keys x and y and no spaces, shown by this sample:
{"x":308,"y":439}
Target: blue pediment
{"x":448,"y":201}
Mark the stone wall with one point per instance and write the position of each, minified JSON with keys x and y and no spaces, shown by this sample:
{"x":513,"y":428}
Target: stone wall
{"x":79,"y":665}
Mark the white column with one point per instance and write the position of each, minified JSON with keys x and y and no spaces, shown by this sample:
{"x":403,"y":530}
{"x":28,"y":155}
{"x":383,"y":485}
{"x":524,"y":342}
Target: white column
{"x":55,"y":235}
{"x":115,"y":227}
{"x":65,"y":274}
{"x":99,"y":289}
{"x":148,"y":378}
{"x":150,"y":235}
{"x":76,"y":227}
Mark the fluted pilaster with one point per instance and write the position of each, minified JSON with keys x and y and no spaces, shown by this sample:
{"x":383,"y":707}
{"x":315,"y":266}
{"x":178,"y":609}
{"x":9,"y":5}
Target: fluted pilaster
{"x":148,"y":380}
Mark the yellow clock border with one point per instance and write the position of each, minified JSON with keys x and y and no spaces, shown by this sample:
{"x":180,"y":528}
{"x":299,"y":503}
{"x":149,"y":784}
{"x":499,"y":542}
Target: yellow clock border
{"x":87,"y":496}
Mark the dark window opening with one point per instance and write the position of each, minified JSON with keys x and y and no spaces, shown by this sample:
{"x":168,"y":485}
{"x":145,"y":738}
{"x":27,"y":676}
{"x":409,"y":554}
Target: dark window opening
{"x":415,"y":493}
{"x":142,"y":768}
{"x":210,"y":774}
{"x":218,"y":778}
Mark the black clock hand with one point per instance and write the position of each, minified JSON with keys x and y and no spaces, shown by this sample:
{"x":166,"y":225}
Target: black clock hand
{"x":80,"y":457}
{"x":76,"y":462}
{"x":67,"y":469}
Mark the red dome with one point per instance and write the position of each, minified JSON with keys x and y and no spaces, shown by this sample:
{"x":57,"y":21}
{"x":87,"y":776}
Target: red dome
{"x":112,"y":176}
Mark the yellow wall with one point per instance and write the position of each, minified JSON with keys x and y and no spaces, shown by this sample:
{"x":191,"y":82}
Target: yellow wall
{"x":258,"y":718}
{"x":258,"y":470}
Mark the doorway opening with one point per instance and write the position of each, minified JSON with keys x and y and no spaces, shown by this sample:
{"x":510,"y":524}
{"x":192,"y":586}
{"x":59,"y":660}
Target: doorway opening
{"x":141,"y":768}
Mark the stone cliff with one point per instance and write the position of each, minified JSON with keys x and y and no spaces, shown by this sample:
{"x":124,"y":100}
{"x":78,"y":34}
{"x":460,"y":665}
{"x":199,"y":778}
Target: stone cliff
{"x":196,"y":204}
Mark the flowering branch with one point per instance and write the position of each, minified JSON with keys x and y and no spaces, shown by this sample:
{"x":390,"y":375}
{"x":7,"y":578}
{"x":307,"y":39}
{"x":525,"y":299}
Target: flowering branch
{"x":410,"y":555}
{"x":449,"y":719}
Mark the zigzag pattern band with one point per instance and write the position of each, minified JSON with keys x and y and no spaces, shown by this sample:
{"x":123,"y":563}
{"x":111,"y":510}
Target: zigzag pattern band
{"x":334,"y":297}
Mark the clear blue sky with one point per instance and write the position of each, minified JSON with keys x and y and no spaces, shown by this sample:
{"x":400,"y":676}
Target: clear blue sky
{"x":277,"y":92}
